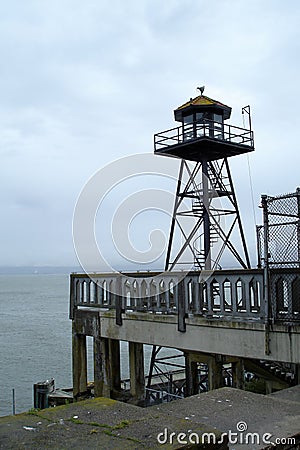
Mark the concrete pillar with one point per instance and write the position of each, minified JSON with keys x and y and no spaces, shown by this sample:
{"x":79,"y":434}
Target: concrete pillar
{"x":237,"y":369}
{"x":215,"y":375}
{"x":297,"y":373}
{"x":107,"y":377}
{"x":79,"y":362}
{"x":101,"y":368}
{"x":191,"y":375}
{"x":137,"y":375}
{"x":115,"y":364}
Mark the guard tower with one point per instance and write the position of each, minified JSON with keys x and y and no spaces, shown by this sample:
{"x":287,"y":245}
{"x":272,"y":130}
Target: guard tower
{"x":206,"y":213}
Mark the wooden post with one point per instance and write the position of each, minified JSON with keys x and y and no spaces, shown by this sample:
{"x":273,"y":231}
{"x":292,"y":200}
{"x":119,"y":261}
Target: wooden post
{"x":137,"y":375}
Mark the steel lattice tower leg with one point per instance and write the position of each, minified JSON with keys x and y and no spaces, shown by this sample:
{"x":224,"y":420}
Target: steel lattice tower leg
{"x":205,"y":197}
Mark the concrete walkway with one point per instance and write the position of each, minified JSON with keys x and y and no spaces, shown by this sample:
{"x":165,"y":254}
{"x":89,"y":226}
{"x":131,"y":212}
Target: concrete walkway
{"x":107,"y":424}
{"x":276,"y":414}
{"x":95,"y":424}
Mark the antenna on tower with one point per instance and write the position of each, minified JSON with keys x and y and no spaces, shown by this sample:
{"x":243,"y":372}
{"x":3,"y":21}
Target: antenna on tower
{"x":246,"y":109}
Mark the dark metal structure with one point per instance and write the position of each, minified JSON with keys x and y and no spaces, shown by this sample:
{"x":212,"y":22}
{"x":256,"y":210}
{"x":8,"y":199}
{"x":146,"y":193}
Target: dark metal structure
{"x":279,"y":238}
{"x":278,"y":242}
{"x":206,"y":216}
{"x":206,"y":213}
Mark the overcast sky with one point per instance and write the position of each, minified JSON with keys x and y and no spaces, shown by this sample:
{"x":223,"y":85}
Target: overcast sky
{"x":85,"y":83}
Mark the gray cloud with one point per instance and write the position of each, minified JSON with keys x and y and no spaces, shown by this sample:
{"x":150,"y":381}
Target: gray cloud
{"x":83,"y":83}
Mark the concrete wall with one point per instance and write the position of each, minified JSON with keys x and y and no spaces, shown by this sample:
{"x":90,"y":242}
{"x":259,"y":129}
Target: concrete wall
{"x":246,"y":340}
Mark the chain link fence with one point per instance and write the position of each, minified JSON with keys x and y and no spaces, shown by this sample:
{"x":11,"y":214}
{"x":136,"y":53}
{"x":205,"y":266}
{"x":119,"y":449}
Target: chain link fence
{"x":278,"y":242}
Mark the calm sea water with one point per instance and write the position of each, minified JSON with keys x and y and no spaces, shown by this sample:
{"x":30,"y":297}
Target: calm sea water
{"x":35,"y":338}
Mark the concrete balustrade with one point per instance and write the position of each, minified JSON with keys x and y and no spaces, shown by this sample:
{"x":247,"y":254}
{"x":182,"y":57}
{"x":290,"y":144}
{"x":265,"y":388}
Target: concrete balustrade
{"x":234,"y":293}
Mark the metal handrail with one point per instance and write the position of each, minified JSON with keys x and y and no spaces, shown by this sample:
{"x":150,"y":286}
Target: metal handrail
{"x":203,"y":128}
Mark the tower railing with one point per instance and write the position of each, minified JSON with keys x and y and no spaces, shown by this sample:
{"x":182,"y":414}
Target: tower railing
{"x":203,"y":128}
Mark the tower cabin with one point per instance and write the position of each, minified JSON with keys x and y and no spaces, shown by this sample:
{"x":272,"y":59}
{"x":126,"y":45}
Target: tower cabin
{"x":203,"y":134}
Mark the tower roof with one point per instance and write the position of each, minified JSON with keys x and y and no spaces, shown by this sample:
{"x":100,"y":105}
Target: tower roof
{"x":202,"y":101}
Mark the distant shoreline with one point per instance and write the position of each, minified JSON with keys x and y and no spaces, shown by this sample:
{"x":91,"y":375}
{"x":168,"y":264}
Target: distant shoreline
{"x":38,"y":270}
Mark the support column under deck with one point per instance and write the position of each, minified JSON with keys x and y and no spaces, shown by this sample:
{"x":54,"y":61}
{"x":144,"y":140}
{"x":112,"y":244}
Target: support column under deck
{"x":101,"y":368}
{"x":237,"y":369}
{"x":79,"y":361}
{"x":215,"y":372}
{"x":137,"y":375}
{"x":115,"y":364}
{"x":297,"y":373}
{"x":107,"y":376}
{"x":191,"y":375}
{"x":214,"y":364}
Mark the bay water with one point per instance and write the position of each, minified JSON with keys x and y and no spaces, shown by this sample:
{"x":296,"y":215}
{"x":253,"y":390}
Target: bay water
{"x":36,"y":338}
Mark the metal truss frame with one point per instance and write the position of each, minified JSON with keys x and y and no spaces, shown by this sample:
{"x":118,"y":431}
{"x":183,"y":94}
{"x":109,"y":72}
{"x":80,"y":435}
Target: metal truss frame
{"x":201,"y":188}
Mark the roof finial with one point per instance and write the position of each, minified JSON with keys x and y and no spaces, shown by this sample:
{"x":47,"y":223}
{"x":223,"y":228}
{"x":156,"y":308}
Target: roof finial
{"x":201,"y":89}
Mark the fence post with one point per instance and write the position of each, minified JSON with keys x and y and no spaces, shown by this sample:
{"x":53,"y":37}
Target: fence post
{"x":298,"y":225}
{"x":264,"y":204}
{"x":258,"y":245}
{"x":13,"y":402}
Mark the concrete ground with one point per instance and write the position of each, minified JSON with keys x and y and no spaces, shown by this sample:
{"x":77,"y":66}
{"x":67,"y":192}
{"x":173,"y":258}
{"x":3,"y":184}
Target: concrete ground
{"x":232,"y":409}
{"x":107,"y":424}
{"x":96,"y":424}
